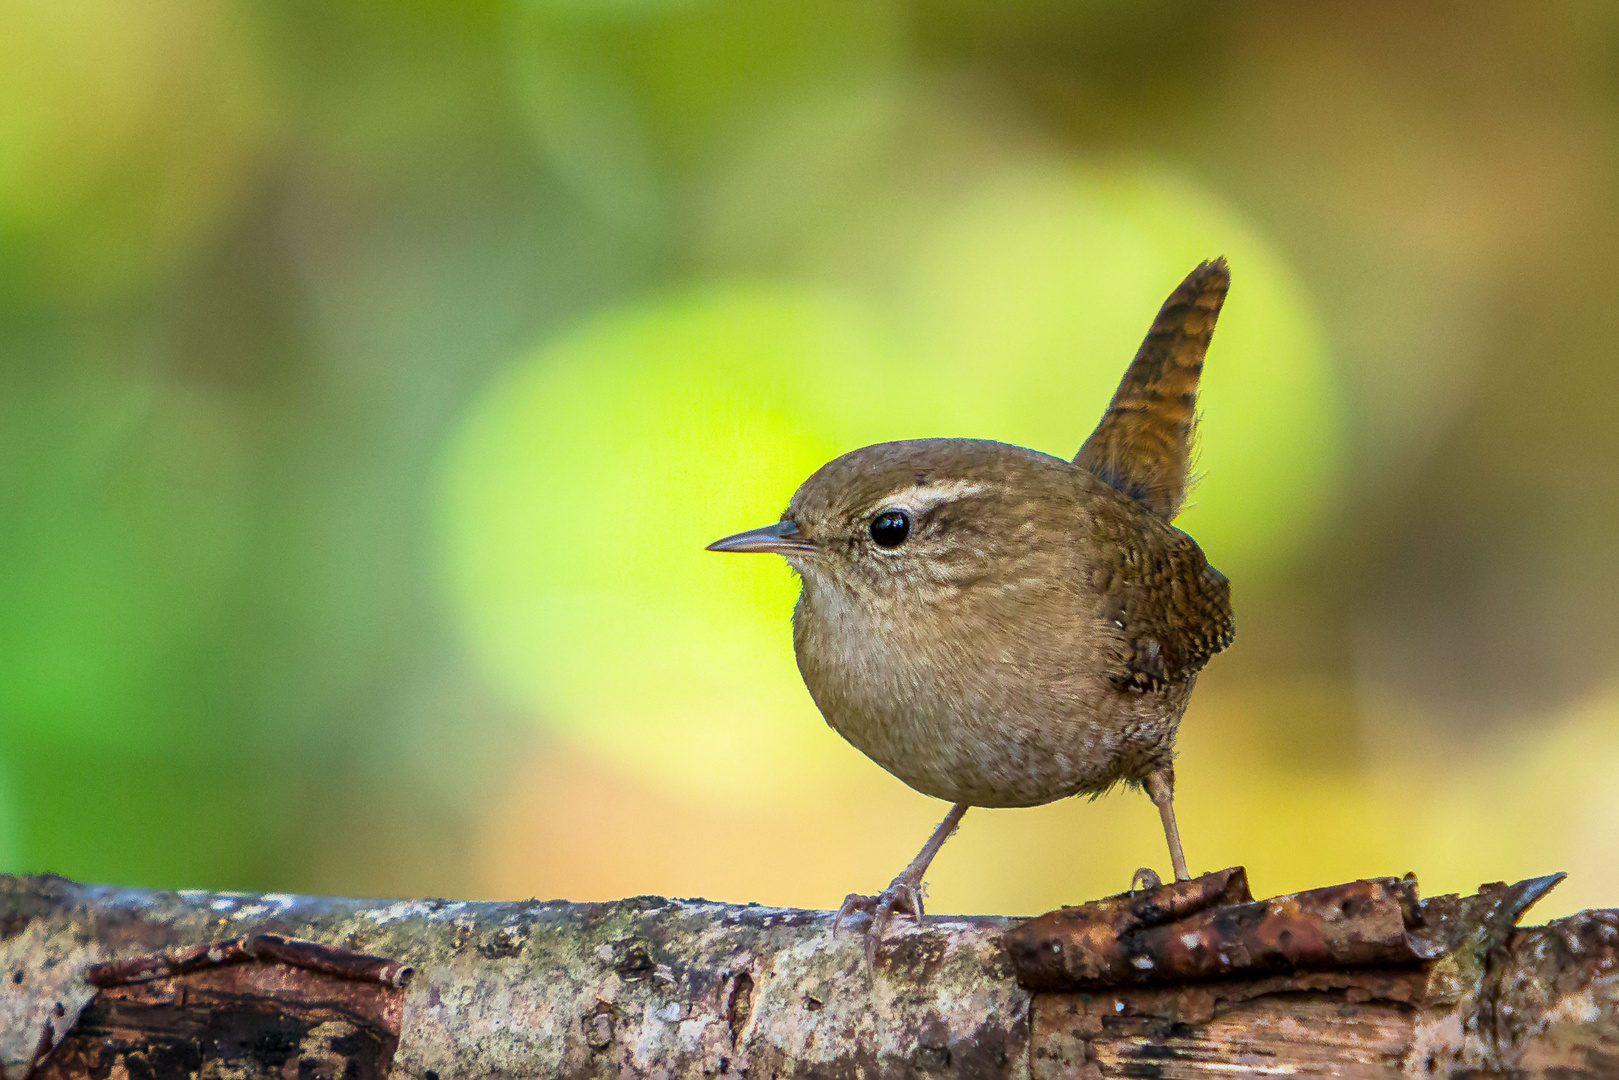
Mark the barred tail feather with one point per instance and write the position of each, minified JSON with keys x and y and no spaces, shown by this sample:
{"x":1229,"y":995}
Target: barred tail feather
{"x":1143,"y":445}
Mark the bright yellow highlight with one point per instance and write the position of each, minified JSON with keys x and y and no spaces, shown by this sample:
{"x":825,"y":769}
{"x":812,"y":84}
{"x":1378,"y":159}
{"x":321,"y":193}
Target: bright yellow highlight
{"x":1036,"y":289}
{"x":587,"y":479}
{"x":581,"y":497}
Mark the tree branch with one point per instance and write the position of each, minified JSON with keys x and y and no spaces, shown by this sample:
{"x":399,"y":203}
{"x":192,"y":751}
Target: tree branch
{"x":643,"y":987}
{"x":98,"y":982}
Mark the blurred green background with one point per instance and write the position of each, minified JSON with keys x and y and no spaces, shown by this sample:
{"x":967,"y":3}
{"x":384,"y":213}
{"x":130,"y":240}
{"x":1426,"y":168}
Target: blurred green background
{"x":372,"y":375}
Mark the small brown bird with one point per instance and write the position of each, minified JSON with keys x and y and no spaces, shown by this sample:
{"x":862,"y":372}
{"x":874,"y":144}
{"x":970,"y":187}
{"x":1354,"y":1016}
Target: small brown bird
{"x":999,"y":627}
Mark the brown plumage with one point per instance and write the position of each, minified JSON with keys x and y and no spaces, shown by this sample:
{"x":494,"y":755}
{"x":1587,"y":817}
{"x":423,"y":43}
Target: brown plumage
{"x":999,"y":627}
{"x":1143,"y":445}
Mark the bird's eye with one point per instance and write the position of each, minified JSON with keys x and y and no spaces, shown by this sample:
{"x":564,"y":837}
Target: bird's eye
{"x":890,"y":528}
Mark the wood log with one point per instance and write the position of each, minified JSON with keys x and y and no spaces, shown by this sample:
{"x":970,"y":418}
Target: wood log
{"x":640,"y":987}
{"x":130,"y":984}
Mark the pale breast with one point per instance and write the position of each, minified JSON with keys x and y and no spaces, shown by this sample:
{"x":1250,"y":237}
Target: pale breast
{"x":1015,"y":713}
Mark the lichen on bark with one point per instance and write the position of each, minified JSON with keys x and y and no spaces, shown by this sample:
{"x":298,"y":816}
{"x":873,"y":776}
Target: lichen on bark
{"x":644,"y":986}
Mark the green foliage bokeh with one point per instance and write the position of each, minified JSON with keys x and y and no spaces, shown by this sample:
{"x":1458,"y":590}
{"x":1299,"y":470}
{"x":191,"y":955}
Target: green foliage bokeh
{"x":372,"y":376}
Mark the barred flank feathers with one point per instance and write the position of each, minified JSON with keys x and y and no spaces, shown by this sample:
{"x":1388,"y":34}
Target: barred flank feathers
{"x":1143,"y":445}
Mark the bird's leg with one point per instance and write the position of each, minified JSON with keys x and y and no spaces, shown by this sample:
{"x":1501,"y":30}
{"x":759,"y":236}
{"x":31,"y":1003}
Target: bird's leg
{"x":1161,"y":789}
{"x":904,"y":893}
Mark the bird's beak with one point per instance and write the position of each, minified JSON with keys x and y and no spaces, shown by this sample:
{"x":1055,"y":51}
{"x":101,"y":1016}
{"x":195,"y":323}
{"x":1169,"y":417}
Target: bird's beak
{"x":782,"y":538}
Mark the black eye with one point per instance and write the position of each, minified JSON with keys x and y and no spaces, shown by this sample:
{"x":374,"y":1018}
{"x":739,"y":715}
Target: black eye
{"x":890,"y":528}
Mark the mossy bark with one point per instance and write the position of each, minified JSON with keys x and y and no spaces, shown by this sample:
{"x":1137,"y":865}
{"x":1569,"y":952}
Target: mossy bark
{"x":639,"y":987}
{"x":677,"y":988}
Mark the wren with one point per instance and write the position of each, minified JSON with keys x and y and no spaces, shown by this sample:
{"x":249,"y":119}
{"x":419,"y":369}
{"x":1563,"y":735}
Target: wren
{"x":999,"y":627}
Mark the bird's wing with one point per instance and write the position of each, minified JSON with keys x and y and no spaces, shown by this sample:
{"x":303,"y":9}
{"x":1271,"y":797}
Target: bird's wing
{"x":1170,"y":608}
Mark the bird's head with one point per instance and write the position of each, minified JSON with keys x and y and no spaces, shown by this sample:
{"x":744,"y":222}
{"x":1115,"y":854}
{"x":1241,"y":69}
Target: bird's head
{"x":904,"y":518}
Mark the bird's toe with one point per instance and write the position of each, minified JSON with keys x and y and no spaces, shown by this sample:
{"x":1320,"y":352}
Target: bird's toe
{"x":854,"y":903}
{"x":901,"y":897}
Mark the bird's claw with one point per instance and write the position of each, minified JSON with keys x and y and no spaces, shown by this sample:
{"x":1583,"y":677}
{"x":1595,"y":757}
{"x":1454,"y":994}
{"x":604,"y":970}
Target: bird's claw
{"x":901,"y":896}
{"x":1145,"y":880}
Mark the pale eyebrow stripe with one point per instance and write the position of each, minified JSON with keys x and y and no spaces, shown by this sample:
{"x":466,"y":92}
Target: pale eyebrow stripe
{"x":924,"y":497}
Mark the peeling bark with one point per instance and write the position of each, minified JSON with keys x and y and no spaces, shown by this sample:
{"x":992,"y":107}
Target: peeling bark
{"x":121,"y":984}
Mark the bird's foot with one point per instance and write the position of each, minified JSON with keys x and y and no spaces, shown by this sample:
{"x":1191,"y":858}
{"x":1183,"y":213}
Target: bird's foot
{"x":902,"y":895}
{"x":1145,"y":880}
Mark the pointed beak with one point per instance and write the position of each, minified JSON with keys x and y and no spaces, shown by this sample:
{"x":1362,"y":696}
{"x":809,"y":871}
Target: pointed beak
{"x":782,"y":538}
